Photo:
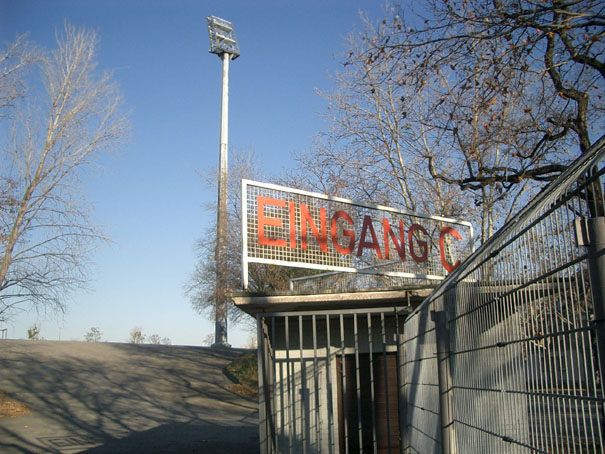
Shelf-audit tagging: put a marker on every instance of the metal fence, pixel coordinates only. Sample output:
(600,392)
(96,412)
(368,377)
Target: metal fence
(329,381)
(506,356)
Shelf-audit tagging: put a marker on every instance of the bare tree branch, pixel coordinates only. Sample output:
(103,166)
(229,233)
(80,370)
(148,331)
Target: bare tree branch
(495,98)
(44,224)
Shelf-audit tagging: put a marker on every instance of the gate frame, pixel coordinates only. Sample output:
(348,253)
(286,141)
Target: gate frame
(399,303)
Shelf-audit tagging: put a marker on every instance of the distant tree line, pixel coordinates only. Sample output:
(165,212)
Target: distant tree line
(137,337)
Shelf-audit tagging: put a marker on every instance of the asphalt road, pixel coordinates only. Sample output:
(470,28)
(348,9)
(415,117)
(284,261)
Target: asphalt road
(121,398)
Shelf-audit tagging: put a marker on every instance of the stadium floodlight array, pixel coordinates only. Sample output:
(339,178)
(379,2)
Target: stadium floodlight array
(222,37)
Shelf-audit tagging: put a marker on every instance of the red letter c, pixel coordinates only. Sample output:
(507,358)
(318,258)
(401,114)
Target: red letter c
(444,262)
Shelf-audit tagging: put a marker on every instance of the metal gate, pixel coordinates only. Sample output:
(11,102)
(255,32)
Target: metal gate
(329,381)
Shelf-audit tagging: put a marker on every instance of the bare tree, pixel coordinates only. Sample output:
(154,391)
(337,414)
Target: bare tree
(208,340)
(252,341)
(495,98)
(155,339)
(33,332)
(487,98)
(15,60)
(365,154)
(136,335)
(93,335)
(57,114)
(201,286)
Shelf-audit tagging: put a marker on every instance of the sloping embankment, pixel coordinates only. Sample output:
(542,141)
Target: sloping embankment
(105,397)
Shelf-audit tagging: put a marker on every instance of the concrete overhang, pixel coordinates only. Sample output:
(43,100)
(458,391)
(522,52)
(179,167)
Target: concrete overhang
(254,303)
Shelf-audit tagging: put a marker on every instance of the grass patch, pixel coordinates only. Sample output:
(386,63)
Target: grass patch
(11,408)
(244,372)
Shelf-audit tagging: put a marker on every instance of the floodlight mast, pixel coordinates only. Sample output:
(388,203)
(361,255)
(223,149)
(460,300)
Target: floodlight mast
(224,44)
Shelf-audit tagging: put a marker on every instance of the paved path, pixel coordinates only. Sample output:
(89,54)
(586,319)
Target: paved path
(120,398)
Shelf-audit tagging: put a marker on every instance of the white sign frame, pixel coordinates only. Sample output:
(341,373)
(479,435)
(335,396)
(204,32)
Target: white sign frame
(271,222)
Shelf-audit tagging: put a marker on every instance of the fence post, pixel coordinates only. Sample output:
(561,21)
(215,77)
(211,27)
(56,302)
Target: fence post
(265,379)
(446,410)
(591,233)
(401,386)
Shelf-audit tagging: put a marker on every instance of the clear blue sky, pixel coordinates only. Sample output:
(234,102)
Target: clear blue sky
(149,198)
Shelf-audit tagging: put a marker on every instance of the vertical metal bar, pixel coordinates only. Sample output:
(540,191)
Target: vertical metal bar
(519,368)
(536,358)
(527,320)
(584,351)
(596,266)
(589,352)
(316,387)
(570,406)
(262,427)
(518,414)
(283,400)
(292,409)
(372,389)
(274,367)
(345,391)
(386,380)
(572,305)
(499,355)
(331,438)
(268,385)
(401,388)
(303,386)
(357,380)
(590,230)
(245,235)
(445,379)
(558,342)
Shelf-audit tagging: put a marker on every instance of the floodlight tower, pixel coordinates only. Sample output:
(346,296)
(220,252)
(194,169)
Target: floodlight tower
(224,44)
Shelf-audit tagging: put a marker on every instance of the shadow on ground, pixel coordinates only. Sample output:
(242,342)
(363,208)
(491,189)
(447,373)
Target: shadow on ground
(112,398)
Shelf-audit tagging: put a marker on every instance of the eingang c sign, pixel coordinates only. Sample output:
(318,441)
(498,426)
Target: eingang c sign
(290,227)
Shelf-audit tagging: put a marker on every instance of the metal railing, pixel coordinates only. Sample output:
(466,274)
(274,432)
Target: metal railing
(386,276)
(506,355)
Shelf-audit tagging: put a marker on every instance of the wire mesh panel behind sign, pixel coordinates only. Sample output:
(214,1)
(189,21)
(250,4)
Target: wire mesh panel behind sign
(289,227)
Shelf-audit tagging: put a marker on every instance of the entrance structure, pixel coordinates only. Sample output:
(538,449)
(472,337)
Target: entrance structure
(330,368)
(506,355)
(330,351)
